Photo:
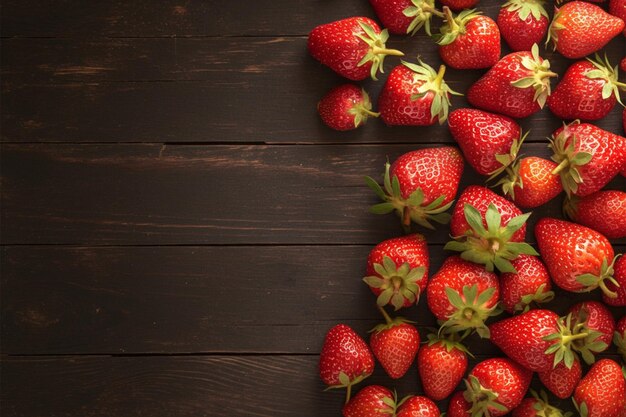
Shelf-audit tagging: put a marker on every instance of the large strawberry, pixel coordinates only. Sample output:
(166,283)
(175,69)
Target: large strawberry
(595,320)
(618,8)
(420,186)
(488,229)
(602,211)
(345,107)
(523,23)
(561,380)
(345,359)
(537,406)
(458,405)
(496,386)
(602,392)
(588,157)
(530,182)
(531,284)
(441,363)
(415,95)
(517,86)
(417,406)
(579,259)
(489,141)
(395,344)
(580,28)
(371,401)
(397,270)
(405,16)
(619,338)
(463,295)
(620,289)
(469,40)
(588,91)
(354,47)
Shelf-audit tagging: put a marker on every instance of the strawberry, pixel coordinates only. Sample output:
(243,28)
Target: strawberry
(562,380)
(602,392)
(579,259)
(523,23)
(458,405)
(488,229)
(405,16)
(619,338)
(530,284)
(345,107)
(580,28)
(496,386)
(588,157)
(441,363)
(537,406)
(415,406)
(415,95)
(458,5)
(618,9)
(464,295)
(594,319)
(530,183)
(371,401)
(603,211)
(345,359)
(517,86)
(354,48)
(420,186)
(589,90)
(489,142)
(469,40)
(620,276)
(395,344)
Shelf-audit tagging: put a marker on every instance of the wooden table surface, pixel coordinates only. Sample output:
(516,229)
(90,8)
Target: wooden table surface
(179,230)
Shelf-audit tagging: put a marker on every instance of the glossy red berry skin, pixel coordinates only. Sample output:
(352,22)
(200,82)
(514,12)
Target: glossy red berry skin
(344,351)
(390,13)
(532,275)
(478,47)
(440,369)
(620,276)
(603,389)
(339,108)
(618,8)
(395,348)
(602,211)
(418,406)
(596,317)
(539,185)
(520,34)
(458,5)
(458,406)
(370,402)
(561,380)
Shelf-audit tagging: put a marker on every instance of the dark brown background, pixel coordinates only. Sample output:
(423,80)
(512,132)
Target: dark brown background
(179,230)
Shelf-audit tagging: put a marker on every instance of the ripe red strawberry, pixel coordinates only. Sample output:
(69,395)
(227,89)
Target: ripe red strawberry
(397,270)
(537,406)
(469,40)
(530,182)
(354,48)
(464,295)
(489,141)
(531,284)
(458,5)
(496,386)
(618,8)
(580,29)
(602,211)
(488,229)
(588,157)
(415,95)
(441,364)
(345,359)
(395,344)
(602,392)
(345,107)
(562,380)
(588,91)
(420,186)
(619,274)
(371,401)
(415,406)
(619,338)
(579,259)
(458,405)
(517,86)
(523,23)
(405,16)
(594,319)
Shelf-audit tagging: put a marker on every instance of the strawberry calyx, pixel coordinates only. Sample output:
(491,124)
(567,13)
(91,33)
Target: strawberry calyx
(346,382)
(377,49)
(506,160)
(619,340)
(543,408)
(481,398)
(563,340)
(410,209)
(525,8)
(539,78)
(592,282)
(492,246)
(568,159)
(471,310)
(604,71)
(396,284)
(422,12)
(389,322)
(450,341)
(582,408)
(589,344)
(540,296)
(454,26)
(362,110)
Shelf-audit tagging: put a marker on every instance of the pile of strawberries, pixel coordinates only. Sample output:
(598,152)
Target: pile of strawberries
(493,269)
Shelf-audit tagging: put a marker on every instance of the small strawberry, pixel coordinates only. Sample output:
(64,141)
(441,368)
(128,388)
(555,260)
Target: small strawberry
(619,337)
(530,182)
(415,406)
(463,295)
(354,48)
(602,392)
(561,380)
(345,359)
(537,406)
(523,23)
(602,211)
(441,363)
(403,17)
(458,5)
(618,9)
(530,284)
(619,274)
(345,107)
(588,157)
(580,29)
(371,401)
(489,141)
(588,91)
(469,40)
(517,86)
(458,405)
(420,186)
(395,344)
(488,229)
(595,320)
(496,386)
(579,259)
(415,95)
(397,270)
